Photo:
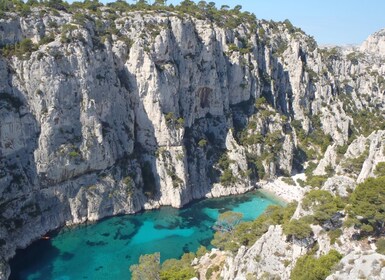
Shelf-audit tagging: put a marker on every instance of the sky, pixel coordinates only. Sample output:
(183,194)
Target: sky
(336,22)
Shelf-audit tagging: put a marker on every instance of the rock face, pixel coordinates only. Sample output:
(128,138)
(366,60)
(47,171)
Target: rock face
(375,44)
(355,265)
(271,255)
(107,115)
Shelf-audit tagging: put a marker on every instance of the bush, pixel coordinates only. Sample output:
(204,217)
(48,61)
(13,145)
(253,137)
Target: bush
(380,244)
(289,181)
(310,268)
(74,154)
(211,270)
(354,165)
(227,178)
(341,150)
(334,235)
(298,229)
(246,233)
(202,143)
(22,50)
(323,204)
(173,269)
(367,206)
(316,181)
(380,169)
(202,250)
(148,267)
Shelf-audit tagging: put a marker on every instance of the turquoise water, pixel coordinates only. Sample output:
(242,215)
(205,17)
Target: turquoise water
(105,250)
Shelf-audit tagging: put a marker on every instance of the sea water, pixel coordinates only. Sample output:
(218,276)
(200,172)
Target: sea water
(106,249)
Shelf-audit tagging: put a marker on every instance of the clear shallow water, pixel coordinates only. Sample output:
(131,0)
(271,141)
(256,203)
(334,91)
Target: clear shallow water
(105,250)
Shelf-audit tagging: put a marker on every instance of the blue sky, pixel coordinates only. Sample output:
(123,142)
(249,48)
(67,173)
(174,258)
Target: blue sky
(329,21)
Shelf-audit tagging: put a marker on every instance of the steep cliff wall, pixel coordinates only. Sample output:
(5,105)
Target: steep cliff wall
(114,112)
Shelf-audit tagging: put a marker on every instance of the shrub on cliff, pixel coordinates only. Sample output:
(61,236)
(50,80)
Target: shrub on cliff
(309,267)
(297,229)
(247,233)
(323,204)
(380,244)
(148,267)
(172,269)
(380,169)
(367,206)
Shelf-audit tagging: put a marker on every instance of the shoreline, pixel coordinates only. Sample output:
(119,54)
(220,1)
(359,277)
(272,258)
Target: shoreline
(282,191)
(273,196)
(262,187)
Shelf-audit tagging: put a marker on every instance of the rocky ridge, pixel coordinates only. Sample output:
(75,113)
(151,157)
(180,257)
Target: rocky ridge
(104,115)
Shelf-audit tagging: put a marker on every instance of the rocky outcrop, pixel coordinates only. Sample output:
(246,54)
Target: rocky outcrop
(115,112)
(271,256)
(354,163)
(356,265)
(97,125)
(375,44)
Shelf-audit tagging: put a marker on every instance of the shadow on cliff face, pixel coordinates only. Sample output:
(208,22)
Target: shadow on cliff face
(145,144)
(19,132)
(205,136)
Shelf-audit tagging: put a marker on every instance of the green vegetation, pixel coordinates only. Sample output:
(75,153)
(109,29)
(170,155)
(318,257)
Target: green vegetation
(309,267)
(129,184)
(380,169)
(74,154)
(355,57)
(248,139)
(334,235)
(224,16)
(323,204)
(341,150)
(202,250)
(174,269)
(313,143)
(289,181)
(22,50)
(202,143)
(255,165)
(149,268)
(227,177)
(246,233)
(211,270)
(380,244)
(367,206)
(316,181)
(260,102)
(297,229)
(366,121)
(174,122)
(331,53)
(354,165)
(15,6)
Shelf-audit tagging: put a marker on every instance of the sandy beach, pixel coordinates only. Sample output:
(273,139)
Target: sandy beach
(284,191)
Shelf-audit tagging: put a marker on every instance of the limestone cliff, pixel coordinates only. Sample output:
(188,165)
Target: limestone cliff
(111,112)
